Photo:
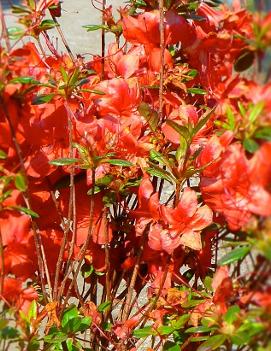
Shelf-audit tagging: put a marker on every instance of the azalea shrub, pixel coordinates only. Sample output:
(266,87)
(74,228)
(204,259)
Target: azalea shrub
(135,186)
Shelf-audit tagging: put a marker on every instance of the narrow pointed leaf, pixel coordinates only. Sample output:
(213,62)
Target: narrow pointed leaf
(235,255)
(64,161)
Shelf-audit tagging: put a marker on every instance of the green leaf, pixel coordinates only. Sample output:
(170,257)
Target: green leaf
(230,117)
(24,80)
(57,337)
(70,313)
(99,274)
(20,9)
(246,332)
(74,325)
(241,109)
(250,145)
(244,61)
(73,78)
(199,338)
(160,173)
(32,312)
(3,323)
(15,33)
(64,74)
(98,92)
(197,91)
(3,155)
(93,91)
(200,329)
(182,130)
(87,270)
(171,346)
(47,24)
(192,303)
(117,162)
(85,324)
(212,343)
(97,189)
(93,27)
(64,161)
(9,333)
(6,195)
(140,3)
(143,332)
(83,151)
(192,73)
(130,184)
(104,181)
(150,115)
(182,149)
(180,322)
(256,111)
(20,182)
(235,255)
(208,283)
(158,157)
(34,344)
(103,307)
(262,133)
(42,99)
(232,314)
(204,119)
(165,330)
(26,211)
(109,198)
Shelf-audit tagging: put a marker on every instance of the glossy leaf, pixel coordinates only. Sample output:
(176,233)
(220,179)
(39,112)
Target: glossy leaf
(150,115)
(235,255)
(250,145)
(42,99)
(64,161)
(232,314)
(15,33)
(160,173)
(24,80)
(69,314)
(171,346)
(204,119)
(103,307)
(200,329)
(117,162)
(213,343)
(263,133)
(165,330)
(182,130)
(143,332)
(20,182)
(26,211)
(197,91)
(3,155)
(256,111)
(93,27)
(47,24)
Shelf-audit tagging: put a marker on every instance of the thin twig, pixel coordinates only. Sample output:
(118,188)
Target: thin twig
(64,41)
(126,309)
(85,245)
(70,213)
